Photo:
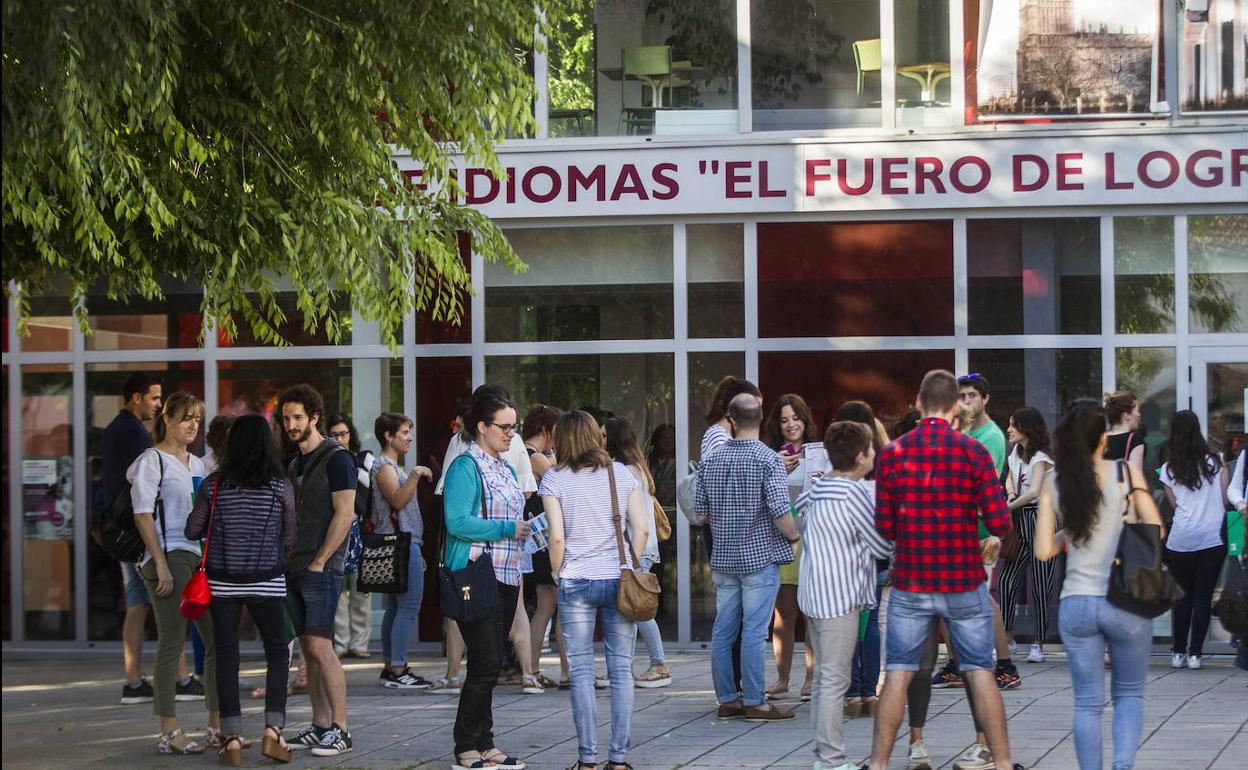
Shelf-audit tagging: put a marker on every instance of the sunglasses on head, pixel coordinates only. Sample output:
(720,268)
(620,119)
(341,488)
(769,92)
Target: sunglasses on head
(969,377)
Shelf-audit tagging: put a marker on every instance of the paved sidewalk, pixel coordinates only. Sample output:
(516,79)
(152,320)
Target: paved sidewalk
(65,715)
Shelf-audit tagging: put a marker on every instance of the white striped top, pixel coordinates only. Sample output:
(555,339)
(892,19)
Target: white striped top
(590,550)
(274,589)
(839,547)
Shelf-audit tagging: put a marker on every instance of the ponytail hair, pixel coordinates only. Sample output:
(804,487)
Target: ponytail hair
(1079,492)
(1118,405)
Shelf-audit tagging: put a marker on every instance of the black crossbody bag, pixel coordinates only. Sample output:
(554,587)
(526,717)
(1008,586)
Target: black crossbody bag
(470,592)
(1139,581)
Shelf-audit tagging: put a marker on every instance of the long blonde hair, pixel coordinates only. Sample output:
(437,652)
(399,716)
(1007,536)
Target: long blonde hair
(177,407)
(578,442)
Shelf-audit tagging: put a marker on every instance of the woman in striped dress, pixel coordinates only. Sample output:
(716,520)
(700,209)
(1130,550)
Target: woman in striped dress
(837,581)
(247,510)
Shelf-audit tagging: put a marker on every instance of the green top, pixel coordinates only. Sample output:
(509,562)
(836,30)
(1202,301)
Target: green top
(993,440)
(461,504)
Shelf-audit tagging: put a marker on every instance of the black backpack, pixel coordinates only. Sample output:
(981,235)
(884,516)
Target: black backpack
(114,530)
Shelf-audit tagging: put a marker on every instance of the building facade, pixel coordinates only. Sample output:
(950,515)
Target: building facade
(805,195)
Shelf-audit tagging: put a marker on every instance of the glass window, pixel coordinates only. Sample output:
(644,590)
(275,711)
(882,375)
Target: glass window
(638,386)
(429,331)
(1214,49)
(705,372)
(1044,378)
(293,330)
(106,604)
(1034,276)
(628,68)
(1144,275)
(173,321)
(50,326)
(815,63)
(1218,273)
(584,283)
(924,67)
(888,380)
(1149,373)
(715,264)
(47,502)
(839,279)
(6,618)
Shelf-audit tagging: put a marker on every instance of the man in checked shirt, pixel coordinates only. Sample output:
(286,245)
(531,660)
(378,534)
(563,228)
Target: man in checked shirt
(932,486)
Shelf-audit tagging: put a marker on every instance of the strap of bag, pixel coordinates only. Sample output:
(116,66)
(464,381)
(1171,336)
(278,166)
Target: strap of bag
(618,516)
(394,517)
(212,507)
(1123,469)
(316,463)
(1126,455)
(159,505)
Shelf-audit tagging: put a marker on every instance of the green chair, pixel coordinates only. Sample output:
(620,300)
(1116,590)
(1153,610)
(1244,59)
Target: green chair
(651,65)
(867,58)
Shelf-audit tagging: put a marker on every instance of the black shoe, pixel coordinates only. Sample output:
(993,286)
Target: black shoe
(947,677)
(136,693)
(334,741)
(405,680)
(192,690)
(308,737)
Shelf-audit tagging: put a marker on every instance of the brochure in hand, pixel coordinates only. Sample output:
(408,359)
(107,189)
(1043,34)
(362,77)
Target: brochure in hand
(536,541)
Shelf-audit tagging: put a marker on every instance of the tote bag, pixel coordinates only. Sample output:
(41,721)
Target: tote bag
(1139,581)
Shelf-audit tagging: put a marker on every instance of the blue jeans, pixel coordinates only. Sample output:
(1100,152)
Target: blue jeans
(398,623)
(580,602)
(865,672)
(743,605)
(967,615)
(1087,625)
(649,630)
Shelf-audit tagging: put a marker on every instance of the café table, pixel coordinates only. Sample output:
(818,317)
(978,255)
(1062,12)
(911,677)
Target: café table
(927,75)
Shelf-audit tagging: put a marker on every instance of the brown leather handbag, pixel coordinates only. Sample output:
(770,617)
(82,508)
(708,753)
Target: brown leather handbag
(638,595)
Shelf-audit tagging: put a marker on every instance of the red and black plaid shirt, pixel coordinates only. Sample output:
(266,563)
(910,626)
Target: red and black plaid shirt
(932,484)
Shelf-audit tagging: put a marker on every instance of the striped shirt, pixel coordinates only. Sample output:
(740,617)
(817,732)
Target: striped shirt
(590,550)
(714,438)
(272,589)
(840,546)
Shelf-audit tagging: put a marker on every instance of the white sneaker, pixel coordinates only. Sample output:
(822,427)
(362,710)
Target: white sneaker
(976,757)
(1036,655)
(1013,649)
(1178,660)
(919,759)
(845,766)
(1193,662)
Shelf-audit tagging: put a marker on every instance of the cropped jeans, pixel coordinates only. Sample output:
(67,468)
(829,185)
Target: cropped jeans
(743,607)
(398,624)
(1088,624)
(582,601)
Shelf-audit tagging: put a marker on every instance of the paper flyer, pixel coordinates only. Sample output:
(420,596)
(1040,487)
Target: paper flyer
(536,541)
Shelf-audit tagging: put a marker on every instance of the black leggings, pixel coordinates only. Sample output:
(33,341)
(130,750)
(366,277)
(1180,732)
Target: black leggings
(485,640)
(1197,573)
(270,618)
(919,694)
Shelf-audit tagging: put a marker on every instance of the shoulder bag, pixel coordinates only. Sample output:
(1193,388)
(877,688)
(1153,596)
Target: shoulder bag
(114,530)
(638,595)
(470,592)
(383,564)
(687,493)
(197,594)
(1012,543)
(1139,581)
(662,524)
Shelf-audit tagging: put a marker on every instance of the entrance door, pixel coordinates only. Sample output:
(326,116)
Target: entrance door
(1219,396)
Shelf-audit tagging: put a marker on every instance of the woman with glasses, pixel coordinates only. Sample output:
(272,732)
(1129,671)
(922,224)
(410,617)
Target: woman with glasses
(484,513)
(353,622)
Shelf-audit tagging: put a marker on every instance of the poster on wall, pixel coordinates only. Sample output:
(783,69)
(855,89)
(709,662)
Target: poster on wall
(1066,58)
(1213,53)
(47,498)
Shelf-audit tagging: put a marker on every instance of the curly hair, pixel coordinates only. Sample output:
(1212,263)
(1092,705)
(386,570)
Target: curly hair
(773,436)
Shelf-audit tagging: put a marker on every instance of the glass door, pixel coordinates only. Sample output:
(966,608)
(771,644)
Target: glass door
(1219,396)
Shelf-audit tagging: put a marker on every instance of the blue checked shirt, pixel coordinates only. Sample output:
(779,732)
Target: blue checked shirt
(742,488)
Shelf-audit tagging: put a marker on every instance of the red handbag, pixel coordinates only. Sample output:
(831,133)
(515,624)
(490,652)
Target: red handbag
(197,593)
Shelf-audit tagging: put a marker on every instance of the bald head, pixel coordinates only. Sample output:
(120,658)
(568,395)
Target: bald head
(746,412)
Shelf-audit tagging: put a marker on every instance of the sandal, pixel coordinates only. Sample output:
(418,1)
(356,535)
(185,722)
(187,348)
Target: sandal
(231,751)
(214,738)
(870,705)
(167,744)
(274,745)
(579,765)
(502,761)
(853,706)
(776,691)
(258,693)
(480,763)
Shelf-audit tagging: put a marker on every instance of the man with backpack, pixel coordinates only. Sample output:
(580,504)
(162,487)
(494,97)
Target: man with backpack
(125,438)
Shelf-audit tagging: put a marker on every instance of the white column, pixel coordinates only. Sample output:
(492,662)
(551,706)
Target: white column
(961,293)
(14,449)
(750,279)
(745,70)
(680,366)
(1109,319)
(370,383)
(1182,317)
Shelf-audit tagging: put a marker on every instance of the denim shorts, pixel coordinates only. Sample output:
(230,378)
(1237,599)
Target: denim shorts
(312,599)
(967,615)
(136,592)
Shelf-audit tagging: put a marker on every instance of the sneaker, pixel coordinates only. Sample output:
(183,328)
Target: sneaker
(1178,660)
(530,686)
(136,693)
(976,757)
(654,677)
(1036,655)
(1013,649)
(947,677)
(1193,662)
(445,686)
(192,690)
(308,737)
(404,680)
(334,741)
(1008,678)
(918,758)
(767,713)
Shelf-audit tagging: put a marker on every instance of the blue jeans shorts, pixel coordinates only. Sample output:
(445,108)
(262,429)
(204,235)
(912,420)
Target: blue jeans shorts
(136,592)
(312,600)
(967,615)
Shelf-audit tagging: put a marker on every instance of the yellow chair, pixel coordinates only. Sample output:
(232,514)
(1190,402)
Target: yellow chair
(867,58)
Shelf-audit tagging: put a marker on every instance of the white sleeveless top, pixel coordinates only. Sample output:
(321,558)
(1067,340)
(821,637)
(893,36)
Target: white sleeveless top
(1088,564)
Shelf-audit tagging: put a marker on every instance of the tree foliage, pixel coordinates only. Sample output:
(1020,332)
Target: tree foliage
(248,147)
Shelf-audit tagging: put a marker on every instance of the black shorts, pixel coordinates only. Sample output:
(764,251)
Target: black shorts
(312,600)
(541,574)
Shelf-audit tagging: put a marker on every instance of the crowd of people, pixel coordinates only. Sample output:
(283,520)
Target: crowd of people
(881,544)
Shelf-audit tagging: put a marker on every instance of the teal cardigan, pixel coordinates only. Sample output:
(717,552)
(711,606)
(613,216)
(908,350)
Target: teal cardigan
(461,502)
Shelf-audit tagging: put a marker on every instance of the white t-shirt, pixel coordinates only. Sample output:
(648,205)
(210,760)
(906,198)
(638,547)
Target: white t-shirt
(176,495)
(1198,513)
(590,549)
(516,456)
(1015,461)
